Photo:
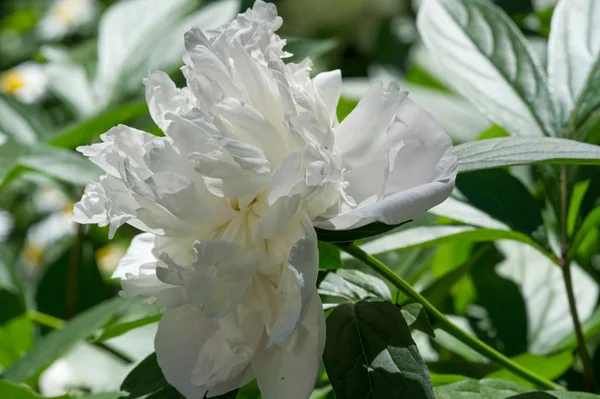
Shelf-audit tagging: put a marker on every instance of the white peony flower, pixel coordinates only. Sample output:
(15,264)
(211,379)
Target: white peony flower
(253,159)
(27,82)
(66,16)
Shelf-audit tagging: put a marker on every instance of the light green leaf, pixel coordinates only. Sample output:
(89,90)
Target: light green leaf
(354,285)
(369,352)
(420,237)
(590,327)
(549,367)
(122,328)
(15,125)
(495,153)
(10,390)
(591,222)
(483,389)
(83,132)
(58,163)
(487,59)
(329,256)
(555,395)
(58,342)
(574,60)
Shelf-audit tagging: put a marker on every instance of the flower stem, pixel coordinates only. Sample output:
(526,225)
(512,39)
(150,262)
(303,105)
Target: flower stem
(565,266)
(443,322)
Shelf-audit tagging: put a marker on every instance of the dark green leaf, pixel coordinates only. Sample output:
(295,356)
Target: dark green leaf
(84,132)
(58,342)
(10,390)
(370,354)
(329,256)
(369,230)
(483,389)
(416,318)
(555,395)
(503,197)
(120,329)
(495,153)
(354,285)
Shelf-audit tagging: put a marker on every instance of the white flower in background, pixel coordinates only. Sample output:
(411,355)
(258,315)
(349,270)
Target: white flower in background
(27,82)
(253,159)
(66,16)
(6,225)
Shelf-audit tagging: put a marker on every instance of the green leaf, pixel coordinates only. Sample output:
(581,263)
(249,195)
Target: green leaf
(591,222)
(14,124)
(120,329)
(503,197)
(549,367)
(10,390)
(420,237)
(354,285)
(416,318)
(313,48)
(590,327)
(369,230)
(555,395)
(58,163)
(495,153)
(84,132)
(482,389)
(16,338)
(369,353)
(344,107)
(488,60)
(574,62)
(58,342)
(329,256)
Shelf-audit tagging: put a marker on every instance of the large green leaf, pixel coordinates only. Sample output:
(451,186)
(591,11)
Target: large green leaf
(574,61)
(58,342)
(549,367)
(329,256)
(494,153)
(503,197)
(483,389)
(58,163)
(10,390)
(83,132)
(487,59)
(416,318)
(370,354)
(420,237)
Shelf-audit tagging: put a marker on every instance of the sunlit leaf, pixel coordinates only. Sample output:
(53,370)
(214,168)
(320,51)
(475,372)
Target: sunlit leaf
(472,389)
(354,285)
(549,367)
(487,59)
(494,153)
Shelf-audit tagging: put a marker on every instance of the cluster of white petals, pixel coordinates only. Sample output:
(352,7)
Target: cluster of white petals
(65,16)
(253,159)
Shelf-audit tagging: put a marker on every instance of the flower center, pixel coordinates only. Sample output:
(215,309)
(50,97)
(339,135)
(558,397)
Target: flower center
(12,81)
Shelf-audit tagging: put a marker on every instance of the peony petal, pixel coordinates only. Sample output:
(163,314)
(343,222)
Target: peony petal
(163,96)
(290,370)
(329,86)
(138,254)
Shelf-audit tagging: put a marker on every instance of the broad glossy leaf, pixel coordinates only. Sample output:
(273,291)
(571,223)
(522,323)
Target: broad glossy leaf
(82,133)
(58,342)
(420,237)
(487,59)
(574,60)
(503,197)
(495,153)
(369,230)
(354,285)
(370,353)
(549,367)
(482,389)
(416,318)
(122,328)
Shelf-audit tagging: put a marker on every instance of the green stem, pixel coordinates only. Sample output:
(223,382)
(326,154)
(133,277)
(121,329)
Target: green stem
(443,322)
